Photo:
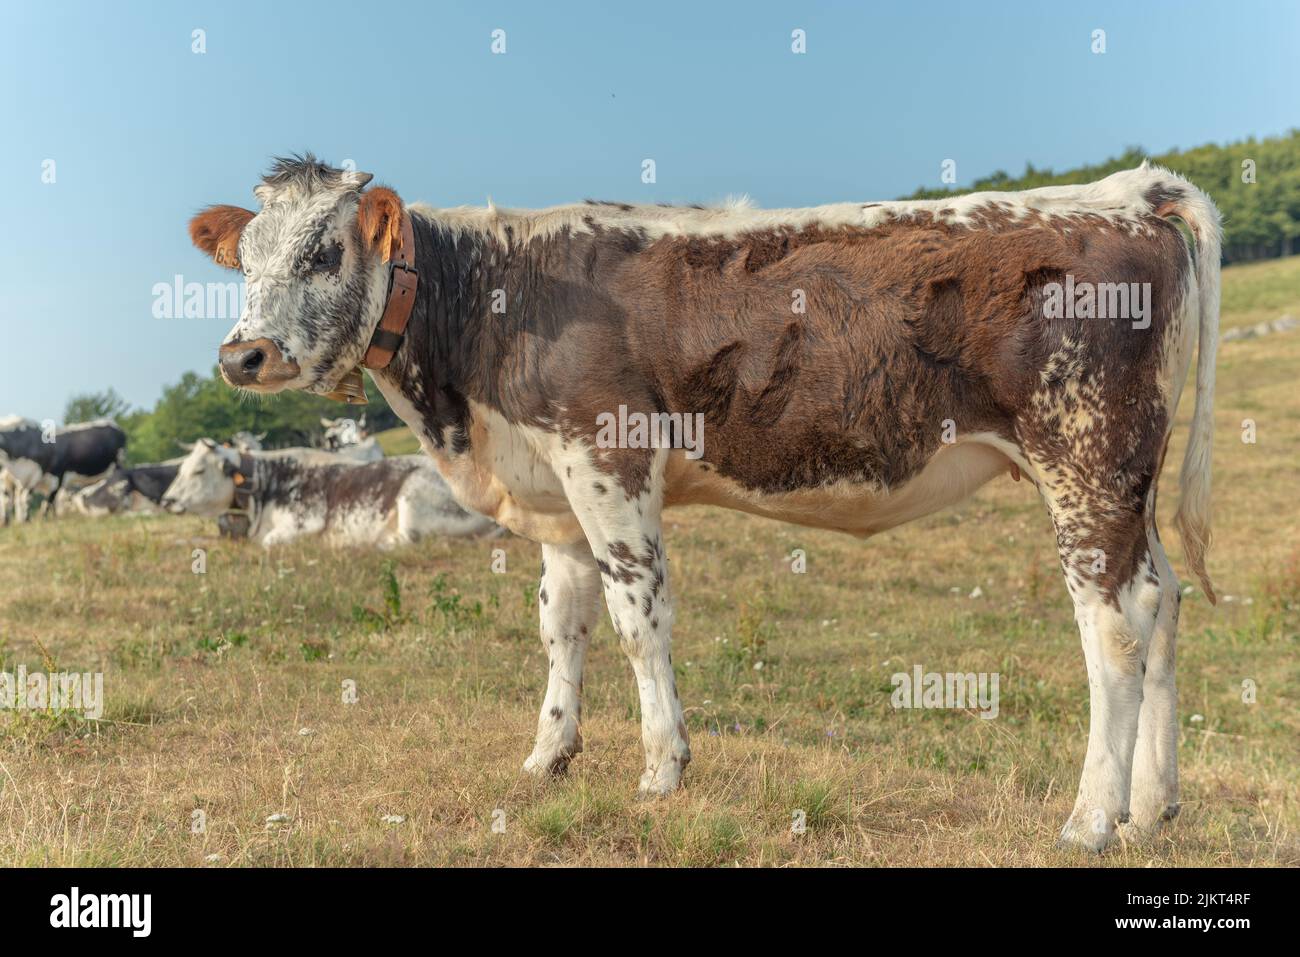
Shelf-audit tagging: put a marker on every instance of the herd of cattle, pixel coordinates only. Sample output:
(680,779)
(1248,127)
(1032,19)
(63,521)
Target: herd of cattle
(346,491)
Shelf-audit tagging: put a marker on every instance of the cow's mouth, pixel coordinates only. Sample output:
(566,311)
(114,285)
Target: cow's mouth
(256,364)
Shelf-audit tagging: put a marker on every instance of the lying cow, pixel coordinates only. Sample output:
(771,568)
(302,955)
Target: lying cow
(396,501)
(139,488)
(851,367)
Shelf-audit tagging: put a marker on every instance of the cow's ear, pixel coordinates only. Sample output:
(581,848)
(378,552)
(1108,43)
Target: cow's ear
(379,217)
(216,231)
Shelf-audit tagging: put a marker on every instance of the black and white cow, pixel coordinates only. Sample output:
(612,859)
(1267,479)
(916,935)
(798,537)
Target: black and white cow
(19,476)
(392,502)
(575,370)
(86,450)
(138,488)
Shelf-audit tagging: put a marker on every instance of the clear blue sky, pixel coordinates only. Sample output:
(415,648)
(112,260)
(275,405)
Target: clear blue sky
(144,132)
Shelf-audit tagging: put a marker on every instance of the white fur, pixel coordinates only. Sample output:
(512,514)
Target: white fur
(1119,197)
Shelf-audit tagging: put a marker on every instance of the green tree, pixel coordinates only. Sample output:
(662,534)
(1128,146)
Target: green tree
(95,405)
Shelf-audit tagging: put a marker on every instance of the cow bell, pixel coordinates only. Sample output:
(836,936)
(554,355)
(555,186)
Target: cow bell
(351,389)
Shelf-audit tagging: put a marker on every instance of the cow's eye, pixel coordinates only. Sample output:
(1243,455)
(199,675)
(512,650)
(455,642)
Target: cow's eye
(327,257)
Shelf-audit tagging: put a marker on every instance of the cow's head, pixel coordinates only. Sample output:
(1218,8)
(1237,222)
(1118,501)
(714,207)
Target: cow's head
(342,433)
(246,441)
(314,259)
(205,482)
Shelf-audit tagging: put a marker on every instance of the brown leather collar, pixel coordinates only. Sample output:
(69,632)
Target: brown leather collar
(402,282)
(387,339)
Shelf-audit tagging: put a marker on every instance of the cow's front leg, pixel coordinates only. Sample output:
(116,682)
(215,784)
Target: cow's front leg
(619,512)
(569,600)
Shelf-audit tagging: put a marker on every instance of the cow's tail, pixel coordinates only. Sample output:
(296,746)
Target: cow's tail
(1198,211)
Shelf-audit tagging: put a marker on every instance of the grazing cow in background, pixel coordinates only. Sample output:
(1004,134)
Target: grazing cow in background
(18,479)
(19,475)
(85,450)
(137,488)
(396,501)
(573,371)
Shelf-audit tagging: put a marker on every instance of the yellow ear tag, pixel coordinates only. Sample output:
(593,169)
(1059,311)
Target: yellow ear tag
(239,478)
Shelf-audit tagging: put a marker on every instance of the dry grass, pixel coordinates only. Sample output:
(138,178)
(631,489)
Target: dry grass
(211,681)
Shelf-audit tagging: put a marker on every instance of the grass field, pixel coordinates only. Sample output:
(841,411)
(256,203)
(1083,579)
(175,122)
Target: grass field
(224,691)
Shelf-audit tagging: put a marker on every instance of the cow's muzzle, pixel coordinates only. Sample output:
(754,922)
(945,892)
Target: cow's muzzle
(257,362)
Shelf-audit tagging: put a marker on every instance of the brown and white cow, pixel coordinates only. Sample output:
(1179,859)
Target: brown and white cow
(856,366)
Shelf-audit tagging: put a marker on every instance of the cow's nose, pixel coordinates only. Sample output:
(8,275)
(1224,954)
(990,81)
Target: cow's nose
(255,362)
(240,363)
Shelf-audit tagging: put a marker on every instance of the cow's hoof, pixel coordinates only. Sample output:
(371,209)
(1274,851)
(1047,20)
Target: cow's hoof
(1150,817)
(551,765)
(544,767)
(1082,833)
(663,780)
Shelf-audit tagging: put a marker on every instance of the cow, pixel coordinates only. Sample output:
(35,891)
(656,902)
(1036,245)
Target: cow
(574,371)
(348,437)
(396,501)
(85,450)
(138,488)
(19,475)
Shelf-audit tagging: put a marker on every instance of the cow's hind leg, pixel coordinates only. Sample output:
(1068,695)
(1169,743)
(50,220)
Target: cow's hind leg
(569,599)
(1112,578)
(1154,796)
